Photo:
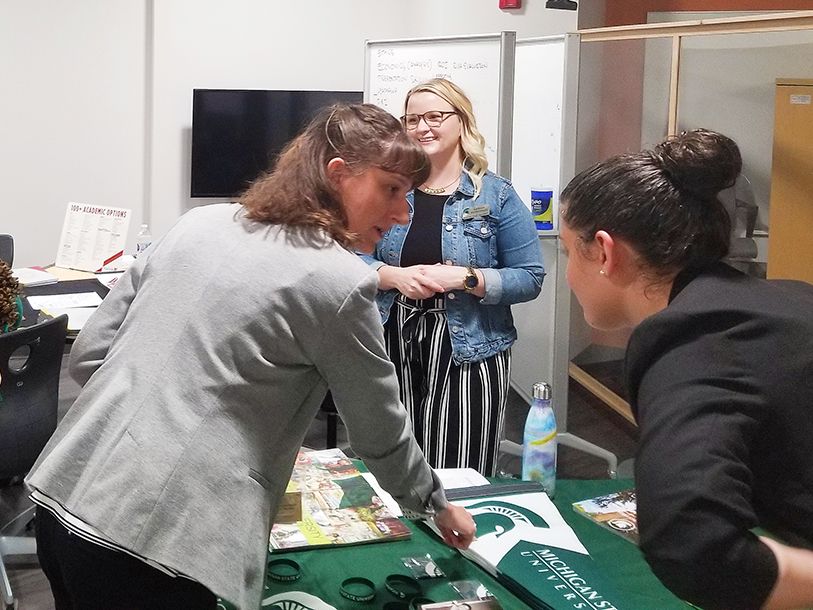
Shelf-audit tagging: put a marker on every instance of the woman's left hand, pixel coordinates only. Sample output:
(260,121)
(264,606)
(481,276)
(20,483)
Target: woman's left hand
(448,276)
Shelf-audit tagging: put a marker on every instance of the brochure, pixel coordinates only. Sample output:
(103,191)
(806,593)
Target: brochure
(92,236)
(338,506)
(615,511)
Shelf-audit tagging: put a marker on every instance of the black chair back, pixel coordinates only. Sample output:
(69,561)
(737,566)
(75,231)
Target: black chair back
(7,249)
(30,362)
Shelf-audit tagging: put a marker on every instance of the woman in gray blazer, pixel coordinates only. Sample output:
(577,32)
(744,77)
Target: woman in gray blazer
(204,367)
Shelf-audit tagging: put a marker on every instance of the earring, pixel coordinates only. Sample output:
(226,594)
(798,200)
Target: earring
(601,272)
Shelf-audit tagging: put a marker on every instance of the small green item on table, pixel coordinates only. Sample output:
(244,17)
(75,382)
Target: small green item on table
(357,589)
(401,586)
(283,570)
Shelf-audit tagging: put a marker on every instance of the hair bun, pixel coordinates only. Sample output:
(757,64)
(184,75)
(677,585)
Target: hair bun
(700,162)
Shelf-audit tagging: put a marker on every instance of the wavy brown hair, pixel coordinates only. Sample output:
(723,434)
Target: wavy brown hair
(297,191)
(9,291)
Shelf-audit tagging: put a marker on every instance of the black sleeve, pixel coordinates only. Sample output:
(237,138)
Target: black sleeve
(700,414)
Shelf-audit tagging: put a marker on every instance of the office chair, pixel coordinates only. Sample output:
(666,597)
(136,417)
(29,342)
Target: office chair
(30,362)
(740,203)
(7,249)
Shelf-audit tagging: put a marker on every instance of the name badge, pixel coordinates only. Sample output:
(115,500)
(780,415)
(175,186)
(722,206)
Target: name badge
(476,211)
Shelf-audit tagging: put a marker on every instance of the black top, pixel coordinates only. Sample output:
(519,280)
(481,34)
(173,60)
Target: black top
(721,384)
(422,243)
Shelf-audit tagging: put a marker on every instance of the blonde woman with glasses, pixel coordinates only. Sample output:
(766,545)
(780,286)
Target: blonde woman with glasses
(447,280)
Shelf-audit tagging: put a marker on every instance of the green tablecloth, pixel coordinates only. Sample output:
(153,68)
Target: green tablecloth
(620,561)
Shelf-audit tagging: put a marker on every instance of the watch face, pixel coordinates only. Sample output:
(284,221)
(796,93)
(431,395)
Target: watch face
(471,281)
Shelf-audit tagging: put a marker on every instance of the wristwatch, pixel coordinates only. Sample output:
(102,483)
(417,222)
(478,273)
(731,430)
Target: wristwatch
(471,281)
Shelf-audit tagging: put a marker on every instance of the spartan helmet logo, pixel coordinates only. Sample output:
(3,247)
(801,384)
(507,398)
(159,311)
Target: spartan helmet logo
(292,600)
(497,518)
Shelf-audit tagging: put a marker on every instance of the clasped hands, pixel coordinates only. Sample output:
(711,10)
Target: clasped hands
(424,281)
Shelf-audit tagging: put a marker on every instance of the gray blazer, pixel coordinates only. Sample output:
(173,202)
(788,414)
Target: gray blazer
(202,371)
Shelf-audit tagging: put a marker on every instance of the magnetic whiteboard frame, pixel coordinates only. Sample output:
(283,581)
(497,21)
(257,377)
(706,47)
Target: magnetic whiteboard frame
(537,131)
(482,65)
(542,351)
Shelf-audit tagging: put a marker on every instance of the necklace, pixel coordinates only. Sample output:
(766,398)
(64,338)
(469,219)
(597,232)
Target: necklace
(439,190)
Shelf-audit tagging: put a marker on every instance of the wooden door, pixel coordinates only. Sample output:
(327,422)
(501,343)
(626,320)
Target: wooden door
(790,249)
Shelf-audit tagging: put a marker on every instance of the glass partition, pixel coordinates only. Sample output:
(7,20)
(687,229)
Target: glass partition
(631,97)
(623,97)
(728,84)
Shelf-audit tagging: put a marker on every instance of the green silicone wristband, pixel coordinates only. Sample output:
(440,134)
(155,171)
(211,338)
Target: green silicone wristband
(357,589)
(283,570)
(417,602)
(402,586)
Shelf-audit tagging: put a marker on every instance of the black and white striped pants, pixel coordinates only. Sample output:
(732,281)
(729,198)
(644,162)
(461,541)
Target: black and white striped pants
(457,411)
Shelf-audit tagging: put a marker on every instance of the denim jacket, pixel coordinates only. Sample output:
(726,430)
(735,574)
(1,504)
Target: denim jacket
(501,242)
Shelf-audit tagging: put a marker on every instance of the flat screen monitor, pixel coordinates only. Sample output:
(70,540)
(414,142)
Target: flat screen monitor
(238,133)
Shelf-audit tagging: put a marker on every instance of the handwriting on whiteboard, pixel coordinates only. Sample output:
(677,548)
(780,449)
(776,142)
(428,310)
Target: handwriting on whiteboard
(394,78)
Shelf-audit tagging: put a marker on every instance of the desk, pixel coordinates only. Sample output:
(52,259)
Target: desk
(625,569)
(32,316)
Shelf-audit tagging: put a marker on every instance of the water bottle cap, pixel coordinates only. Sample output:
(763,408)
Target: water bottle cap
(542,390)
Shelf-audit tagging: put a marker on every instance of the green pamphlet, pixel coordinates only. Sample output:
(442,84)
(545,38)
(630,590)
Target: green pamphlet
(525,543)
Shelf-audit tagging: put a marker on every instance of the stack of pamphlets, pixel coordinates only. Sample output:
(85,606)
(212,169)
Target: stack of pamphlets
(338,506)
(615,511)
(33,276)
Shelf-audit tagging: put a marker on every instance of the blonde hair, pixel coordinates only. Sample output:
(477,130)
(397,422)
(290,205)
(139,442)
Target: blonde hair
(472,142)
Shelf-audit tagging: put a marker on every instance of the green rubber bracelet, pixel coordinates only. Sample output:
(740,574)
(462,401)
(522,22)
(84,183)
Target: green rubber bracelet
(357,589)
(417,602)
(283,570)
(402,586)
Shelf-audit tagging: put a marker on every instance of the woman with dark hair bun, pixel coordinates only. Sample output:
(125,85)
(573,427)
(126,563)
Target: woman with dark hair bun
(718,372)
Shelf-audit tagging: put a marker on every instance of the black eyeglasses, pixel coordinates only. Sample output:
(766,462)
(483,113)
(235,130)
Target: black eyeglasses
(433,118)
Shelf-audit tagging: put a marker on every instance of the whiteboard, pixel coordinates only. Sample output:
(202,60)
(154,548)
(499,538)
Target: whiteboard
(480,65)
(532,355)
(543,154)
(537,139)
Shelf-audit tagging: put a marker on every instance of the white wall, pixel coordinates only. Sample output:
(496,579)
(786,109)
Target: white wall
(72,110)
(99,88)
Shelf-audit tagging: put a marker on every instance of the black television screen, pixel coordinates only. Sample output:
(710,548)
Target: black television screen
(237,133)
